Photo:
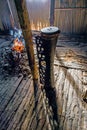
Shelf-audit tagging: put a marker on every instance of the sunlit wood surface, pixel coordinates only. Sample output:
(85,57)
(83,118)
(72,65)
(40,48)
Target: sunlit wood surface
(70,70)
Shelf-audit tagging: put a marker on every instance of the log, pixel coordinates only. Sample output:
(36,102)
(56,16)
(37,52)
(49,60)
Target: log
(26,29)
(52,5)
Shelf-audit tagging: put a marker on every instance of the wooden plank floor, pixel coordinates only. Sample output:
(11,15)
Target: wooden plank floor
(71,83)
(17,96)
(70,87)
(17,104)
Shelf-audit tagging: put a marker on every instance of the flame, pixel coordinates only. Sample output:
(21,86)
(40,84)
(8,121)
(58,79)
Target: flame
(18,46)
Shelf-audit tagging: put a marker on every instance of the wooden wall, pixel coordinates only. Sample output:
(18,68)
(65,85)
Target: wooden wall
(14,13)
(4,15)
(39,12)
(71,16)
(8,15)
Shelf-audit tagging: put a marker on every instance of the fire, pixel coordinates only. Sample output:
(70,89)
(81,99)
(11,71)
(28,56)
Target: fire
(18,46)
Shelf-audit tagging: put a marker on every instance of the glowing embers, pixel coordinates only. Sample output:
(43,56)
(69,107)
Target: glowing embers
(18,46)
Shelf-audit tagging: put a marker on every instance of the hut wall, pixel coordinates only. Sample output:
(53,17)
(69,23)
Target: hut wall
(5,22)
(71,16)
(8,15)
(14,13)
(39,11)
(1,26)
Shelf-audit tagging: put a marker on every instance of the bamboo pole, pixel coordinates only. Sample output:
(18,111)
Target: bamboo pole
(26,29)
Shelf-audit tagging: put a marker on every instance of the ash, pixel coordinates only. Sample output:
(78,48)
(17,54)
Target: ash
(12,63)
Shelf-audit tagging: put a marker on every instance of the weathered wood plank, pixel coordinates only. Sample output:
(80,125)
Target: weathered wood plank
(59,88)
(56,72)
(7,86)
(84,96)
(71,57)
(12,106)
(70,83)
(6,98)
(70,16)
(22,108)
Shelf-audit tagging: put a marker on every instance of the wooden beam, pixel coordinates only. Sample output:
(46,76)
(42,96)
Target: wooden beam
(11,14)
(52,8)
(26,29)
(70,8)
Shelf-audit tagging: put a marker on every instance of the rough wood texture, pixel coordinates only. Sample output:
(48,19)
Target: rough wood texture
(70,16)
(14,13)
(71,83)
(71,52)
(39,12)
(17,102)
(4,15)
(8,15)
(26,28)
